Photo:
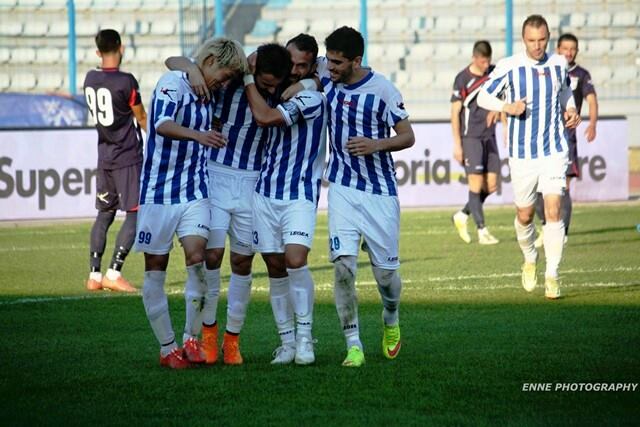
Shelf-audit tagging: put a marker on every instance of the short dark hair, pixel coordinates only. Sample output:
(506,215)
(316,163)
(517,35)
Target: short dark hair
(273,59)
(305,43)
(569,37)
(482,48)
(108,41)
(346,40)
(535,21)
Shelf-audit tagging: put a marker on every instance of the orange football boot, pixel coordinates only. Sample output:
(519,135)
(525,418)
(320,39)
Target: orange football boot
(231,349)
(93,285)
(174,360)
(118,285)
(210,343)
(193,351)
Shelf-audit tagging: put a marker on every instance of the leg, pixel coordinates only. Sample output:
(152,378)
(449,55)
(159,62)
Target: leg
(303,296)
(155,301)
(113,279)
(97,244)
(345,268)
(237,303)
(476,182)
(390,287)
(566,207)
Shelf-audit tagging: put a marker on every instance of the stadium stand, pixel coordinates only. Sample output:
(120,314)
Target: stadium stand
(419,45)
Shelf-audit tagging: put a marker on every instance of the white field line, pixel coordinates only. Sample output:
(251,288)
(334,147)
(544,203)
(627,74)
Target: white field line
(407,285)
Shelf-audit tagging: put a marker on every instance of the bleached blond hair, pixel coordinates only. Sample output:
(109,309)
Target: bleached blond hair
(227,52)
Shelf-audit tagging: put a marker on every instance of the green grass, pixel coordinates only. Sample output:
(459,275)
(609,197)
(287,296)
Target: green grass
(471,337)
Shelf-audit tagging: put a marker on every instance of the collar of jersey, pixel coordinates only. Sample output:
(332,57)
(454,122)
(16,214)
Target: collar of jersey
(534,62)
(109,69)
(361,82)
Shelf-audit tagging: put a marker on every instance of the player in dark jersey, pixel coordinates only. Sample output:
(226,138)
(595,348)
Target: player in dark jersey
(474,142)
(114,102)
(583,89)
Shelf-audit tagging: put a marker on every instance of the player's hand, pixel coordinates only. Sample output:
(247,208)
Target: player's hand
(251,62)
(492,118)
(590,133)
(571,118)
(199,86)
(458,154)
(213,139)
(361,146)
(292,91)
(516,108)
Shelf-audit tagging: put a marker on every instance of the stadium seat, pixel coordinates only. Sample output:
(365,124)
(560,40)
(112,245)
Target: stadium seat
(446,51)
(599,19)
(136,27)
(376,52)
(421,51)
(444,79)
(400,78)
(29,4)
(49,82)
(163,28)
(86,28)
(447,24)
(5,82)
(23,55)
(499,49)
(148,54)
(472,23)
(577,20)
(54,5)
(598,48)
(21,82)
(110,25)
(395,51)
(600,75)
(624,75)
(5,55)
(11,28)
(292,28)
(130,4)
(35,29)
(624,18)
(624,46)
(48,55)
(59,28)
(83,5)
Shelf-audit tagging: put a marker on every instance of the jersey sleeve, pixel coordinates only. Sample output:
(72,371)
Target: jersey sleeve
(394,111)
(134,95)
(498,78)
(306,104)
(587,85)
(323,70)
(166,95)
(458,89)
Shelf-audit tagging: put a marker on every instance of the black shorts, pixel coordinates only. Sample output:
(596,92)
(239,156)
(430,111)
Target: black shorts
(118,188)
(572,167)
(480,155)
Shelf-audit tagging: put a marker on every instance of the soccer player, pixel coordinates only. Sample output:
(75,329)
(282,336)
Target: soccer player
(114,102)
(583,89)
(285,200)
(363,197)
(537,91)
(233,172)
(474,142)
(174,194)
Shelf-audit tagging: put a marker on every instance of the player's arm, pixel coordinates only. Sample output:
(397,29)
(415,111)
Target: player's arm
(263,114)
(568,104)
(172,130)
(141,115)
(404,138)
(196,79)
(310,83)
(456,108)
(590,132)
(489,95)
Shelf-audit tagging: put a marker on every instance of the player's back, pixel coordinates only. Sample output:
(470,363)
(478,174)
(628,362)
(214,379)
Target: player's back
(473,119)
(294,154)
(368,108)
(110,94)
(174,171)
(233,117)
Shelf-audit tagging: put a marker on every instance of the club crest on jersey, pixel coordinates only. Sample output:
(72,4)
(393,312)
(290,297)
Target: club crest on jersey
(400,105)
(165,91)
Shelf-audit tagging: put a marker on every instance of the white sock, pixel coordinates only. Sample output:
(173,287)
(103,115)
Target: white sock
(282,309)
(526,239)
(113,274)
(157,308)
(96,275)
(237,302)
(346,298)
(303,293)
(553,244)
(211,296)
(390,287)
(195,288)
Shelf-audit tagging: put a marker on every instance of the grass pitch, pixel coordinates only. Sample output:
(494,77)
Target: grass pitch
(471,337)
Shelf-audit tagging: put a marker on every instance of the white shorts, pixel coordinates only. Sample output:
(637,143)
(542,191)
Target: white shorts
(277,223)
(231,197)
(354,214)
(546,175)
(156,225)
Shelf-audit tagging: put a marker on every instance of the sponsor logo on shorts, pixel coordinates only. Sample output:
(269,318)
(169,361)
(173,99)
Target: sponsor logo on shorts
(299,233)
(392,259)
(204,227)
(103,197)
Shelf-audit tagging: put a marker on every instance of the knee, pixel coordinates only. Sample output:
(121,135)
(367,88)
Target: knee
(241,264)
(345,270)
(524,217)
(297,260)
(194,257)
(275,265)
(214,257)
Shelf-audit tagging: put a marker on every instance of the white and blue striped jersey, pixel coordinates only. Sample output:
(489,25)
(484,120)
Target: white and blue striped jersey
(294,154)
(368,108)
(539,131)
(246,140)
(174,171)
